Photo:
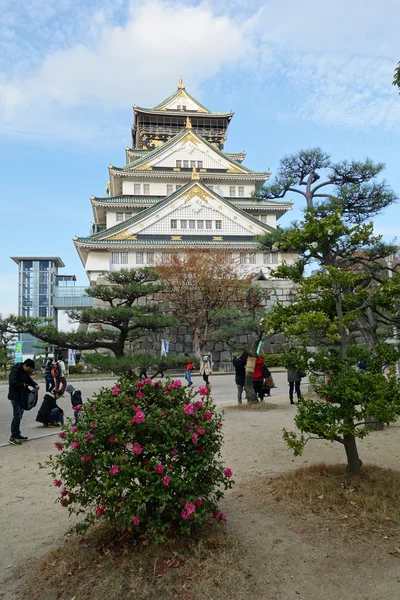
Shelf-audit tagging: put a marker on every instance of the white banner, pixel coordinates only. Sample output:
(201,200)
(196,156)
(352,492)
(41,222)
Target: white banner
(71,358)
(164,347)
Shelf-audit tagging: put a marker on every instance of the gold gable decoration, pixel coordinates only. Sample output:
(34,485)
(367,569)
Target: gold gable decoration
(121,235)
(180,84)
(196,190)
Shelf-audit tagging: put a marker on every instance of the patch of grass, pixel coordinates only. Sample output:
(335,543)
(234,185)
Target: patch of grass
(370,501)
(107,566)
(258,406)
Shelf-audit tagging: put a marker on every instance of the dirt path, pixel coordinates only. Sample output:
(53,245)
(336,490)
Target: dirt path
(287,557)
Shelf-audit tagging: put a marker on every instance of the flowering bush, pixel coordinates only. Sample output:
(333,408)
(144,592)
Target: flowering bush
(145,456)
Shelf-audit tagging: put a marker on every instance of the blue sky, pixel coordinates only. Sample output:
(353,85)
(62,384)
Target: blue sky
(297,74)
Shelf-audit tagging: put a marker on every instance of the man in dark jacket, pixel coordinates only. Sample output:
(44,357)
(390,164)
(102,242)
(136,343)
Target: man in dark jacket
(19,380)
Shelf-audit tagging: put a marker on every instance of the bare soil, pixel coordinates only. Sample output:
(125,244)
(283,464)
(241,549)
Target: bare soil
(271,549)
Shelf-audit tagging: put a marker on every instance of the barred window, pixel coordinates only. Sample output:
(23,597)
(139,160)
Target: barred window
(115,258)
(218,224)
(174,224)
(150,258)
(200,224)
(232,190)
(184,224)
(170,188)
(139,258)
(271,258)
(146,188)
(128,215)
(136,188)
(208,224)
(178,164)
(185,164)
(252,258)
(124,258)
(241,191)
(192,164)
(192,224)
(199,164)
(243,258)
(120,217)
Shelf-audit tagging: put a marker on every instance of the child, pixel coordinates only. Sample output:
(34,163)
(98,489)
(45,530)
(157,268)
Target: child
(76,399)
(50,414)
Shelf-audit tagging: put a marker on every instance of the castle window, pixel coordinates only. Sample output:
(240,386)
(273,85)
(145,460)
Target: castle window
(192,164)
(165,257)
(115,258)
(241,191)
(252,258)
(208,224)
(183,107)
(146,188)
(243,258)
(124,258)
(120,217)
(185,164)
(170,188)
(139,258)
(192,224)
(150,258)
(178,164)
(174,224)
(199,164)
(128,215)
(271,258)
(136,188)
(184,224)
(218,224)
(200,224)
(232,190)
(179,107)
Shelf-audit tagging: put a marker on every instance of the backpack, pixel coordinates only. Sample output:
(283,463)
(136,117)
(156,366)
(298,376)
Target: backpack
(30,399)
(55,371)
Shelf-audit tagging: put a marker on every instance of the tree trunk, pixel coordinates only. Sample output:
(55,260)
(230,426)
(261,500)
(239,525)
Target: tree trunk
(251,395)
(353,460)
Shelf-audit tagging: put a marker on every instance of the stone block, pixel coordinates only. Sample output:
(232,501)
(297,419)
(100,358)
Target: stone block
(244,339)
(218,347)
(182,330)
(178,347)
(225,356)
(188,339)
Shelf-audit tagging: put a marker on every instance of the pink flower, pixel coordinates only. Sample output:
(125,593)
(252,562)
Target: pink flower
(85,459)
(59,446)
(100,510)
(176,384)
(174,453)
(62,436)
(94,425)
(73,429)
(64,502)
(201,431)
(228,472)
(208,416)
(89,436)
(139,385)
(115,391)
(166,480)
(182,500)
(112,438)
(190,508)
(195,437)
(78,407)
(148,380)
(136,521)
(57,483)
(140,395)
(159,468)
(197,502)
(222,516)
(114,470)
(137,449)
(75,445)
(64,493)
(140,416)
(189,409)
(198,404)
(184,515)
(204,390)
(133,421)
(219,425)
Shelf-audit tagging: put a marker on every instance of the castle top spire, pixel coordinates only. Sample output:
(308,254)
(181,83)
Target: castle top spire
(180,84)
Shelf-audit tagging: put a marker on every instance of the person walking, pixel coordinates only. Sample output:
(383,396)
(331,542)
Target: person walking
(205,368)
(294,379)
(239,362)
(48,377)
(19,382)
(189,366)
(61,372)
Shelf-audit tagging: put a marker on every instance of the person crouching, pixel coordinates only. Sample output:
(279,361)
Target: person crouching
(50,414)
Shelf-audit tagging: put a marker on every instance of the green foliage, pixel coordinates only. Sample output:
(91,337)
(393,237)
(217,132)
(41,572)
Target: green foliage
(7,339)
(274,360)
(76,369)
(145,456)
(396,79)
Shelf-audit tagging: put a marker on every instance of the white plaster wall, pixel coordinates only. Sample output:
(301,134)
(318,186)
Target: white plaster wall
(159,187)
(97,261)
(111,216)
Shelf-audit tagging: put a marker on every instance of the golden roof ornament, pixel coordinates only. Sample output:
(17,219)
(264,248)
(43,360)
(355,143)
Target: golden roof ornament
(180,84)
(188,123)
(195,175)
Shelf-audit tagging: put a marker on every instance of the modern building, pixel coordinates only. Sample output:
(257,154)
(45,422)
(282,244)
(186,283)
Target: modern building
(42,292)
(179,189)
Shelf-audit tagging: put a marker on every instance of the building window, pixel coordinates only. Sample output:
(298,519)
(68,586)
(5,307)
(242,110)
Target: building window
(43,288)
(146,188)
(26,312)
(192,224)
(120,217)
(174,224)
(178,164)
(192,164)
(185,164)
(43,312)
(44,265)
(139,258)
(263,218)
(271,258)
(200,224)
(208,224)
(243,258)
(150,258)
(179,107)
(178,186)
(218,224)
(241,191)
(27,265)
(128,215)
(184,224)
(115,258)
(124,258)
(252,258)
(136,188)
(199,164)
(183,106)
(232,190)
(170,189)
(165,256)
(43,277)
